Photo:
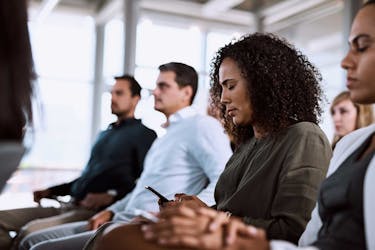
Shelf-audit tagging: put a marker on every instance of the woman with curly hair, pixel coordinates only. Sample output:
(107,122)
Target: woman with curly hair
(348,116)
(268,94)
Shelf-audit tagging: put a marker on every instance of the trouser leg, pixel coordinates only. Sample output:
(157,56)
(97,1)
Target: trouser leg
(14,219)
(53,234)
(95,236)
(73,215)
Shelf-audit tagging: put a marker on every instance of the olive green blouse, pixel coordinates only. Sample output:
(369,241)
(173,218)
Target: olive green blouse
(273,182)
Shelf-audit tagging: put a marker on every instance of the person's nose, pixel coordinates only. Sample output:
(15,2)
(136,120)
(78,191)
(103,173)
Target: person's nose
(348,61)
(224,98)
(155,92)
(336,117)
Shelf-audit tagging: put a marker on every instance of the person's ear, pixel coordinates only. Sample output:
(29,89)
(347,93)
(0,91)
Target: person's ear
(188,93)
(135,100)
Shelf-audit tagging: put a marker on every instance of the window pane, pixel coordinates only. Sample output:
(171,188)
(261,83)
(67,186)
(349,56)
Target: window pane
(63,46)
(145,109)
(113,48)
(62,135)
(158,44)
(323,45)
(216,40)
(63,53)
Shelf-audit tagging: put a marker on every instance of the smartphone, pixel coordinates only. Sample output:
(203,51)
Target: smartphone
(147,215)
(162,198)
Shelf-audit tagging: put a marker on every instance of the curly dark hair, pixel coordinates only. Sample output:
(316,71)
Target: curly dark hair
(283,86)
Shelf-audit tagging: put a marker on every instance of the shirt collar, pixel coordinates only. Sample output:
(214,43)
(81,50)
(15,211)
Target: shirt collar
(182,114)
(123,122)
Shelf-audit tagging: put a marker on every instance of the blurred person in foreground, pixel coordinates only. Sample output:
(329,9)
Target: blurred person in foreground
(16,85)
(348,116)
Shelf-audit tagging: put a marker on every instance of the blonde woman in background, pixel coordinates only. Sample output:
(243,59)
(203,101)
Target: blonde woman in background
(348,116)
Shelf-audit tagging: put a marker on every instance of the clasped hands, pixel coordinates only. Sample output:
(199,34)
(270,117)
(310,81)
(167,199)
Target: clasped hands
(188,222)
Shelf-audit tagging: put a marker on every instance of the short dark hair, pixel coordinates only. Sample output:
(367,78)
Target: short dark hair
(185,75)
(135,88)
(282,85)
(16,71)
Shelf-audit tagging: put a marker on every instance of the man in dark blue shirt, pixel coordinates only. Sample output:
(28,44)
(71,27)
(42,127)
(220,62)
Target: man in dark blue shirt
(116,161)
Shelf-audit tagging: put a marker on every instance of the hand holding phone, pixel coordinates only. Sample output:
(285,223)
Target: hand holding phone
(161,197)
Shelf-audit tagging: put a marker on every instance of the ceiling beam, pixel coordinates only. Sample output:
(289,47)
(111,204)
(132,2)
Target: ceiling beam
(45,9)
(214,7)
(108,11)
(196,10)
(286,9)
(208,11)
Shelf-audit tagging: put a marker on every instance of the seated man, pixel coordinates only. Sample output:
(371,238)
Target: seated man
(189,158)
(115,163)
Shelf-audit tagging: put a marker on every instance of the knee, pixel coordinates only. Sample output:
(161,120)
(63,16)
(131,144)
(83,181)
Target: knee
(121,237)
(45,245)
(27,242)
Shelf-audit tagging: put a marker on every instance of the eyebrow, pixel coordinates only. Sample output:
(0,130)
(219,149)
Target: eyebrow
(225,82)
(117,91)
(162,84)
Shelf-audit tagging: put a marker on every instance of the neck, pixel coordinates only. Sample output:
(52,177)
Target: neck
(167,115)
(124,117)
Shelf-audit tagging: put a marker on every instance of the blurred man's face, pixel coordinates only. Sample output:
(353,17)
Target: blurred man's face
(123,103)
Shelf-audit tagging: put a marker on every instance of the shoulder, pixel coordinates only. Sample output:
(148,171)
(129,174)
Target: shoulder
(355,137)
(139,130)
(146,129)
(348,144)
(205,122)
(305,130)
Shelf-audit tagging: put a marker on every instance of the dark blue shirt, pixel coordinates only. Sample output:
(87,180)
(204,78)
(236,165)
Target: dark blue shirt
(116,161)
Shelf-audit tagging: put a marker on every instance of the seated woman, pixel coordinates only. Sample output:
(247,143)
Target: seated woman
(346,203)
(269,95)
(348,116)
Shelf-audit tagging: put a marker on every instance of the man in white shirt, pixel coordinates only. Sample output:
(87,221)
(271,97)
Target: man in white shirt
(188,159)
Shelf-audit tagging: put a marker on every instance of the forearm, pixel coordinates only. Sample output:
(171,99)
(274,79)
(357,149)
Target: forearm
(63,189)
(285,228)
(120,205)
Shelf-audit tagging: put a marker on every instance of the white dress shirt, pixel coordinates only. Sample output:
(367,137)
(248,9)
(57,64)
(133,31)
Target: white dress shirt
(189,159)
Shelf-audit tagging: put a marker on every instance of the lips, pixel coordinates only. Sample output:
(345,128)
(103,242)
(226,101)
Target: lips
(231,111)
(350,81)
